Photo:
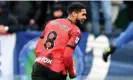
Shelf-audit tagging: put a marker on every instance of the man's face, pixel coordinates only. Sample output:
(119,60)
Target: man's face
(81,16)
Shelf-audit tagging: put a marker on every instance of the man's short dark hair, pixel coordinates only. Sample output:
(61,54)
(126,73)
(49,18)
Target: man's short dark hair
(75,7)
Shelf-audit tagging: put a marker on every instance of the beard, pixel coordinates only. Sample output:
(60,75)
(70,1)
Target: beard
(79,22)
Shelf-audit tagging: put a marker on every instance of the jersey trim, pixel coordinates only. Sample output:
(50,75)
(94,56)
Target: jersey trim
(41,37)
(72,47)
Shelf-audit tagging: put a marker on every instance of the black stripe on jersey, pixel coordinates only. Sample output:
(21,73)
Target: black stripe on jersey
(41,37)
(72,47)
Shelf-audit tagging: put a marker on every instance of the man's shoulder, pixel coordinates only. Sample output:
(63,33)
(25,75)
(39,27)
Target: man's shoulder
(62,20)
(76,28)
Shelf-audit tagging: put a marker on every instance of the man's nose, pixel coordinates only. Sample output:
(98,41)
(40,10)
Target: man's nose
(85,17)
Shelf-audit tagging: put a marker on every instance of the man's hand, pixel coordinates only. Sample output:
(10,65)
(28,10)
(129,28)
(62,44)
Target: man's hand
(73,75)
(109,50)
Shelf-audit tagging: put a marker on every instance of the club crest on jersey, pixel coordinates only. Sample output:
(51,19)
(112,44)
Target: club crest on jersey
(76,40)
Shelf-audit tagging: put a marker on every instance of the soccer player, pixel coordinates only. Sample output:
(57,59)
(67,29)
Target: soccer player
(56,45)
(124,38)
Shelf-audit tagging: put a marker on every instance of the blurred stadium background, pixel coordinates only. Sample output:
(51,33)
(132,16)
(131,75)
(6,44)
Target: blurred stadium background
(105,21)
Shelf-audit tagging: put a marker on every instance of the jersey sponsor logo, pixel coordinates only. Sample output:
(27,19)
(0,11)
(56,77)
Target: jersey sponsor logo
(76,40)
(43,59)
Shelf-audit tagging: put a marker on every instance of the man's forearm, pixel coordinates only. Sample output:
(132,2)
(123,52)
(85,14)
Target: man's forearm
(68,60)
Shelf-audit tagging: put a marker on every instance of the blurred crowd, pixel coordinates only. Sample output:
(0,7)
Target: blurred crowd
(102,16)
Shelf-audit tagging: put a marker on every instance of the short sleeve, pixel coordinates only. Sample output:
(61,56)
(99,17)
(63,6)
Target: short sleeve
(75,36)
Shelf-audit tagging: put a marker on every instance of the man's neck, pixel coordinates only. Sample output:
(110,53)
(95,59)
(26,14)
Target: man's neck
(71,19)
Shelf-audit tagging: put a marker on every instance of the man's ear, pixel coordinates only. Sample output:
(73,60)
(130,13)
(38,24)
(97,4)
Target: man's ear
(74,14)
